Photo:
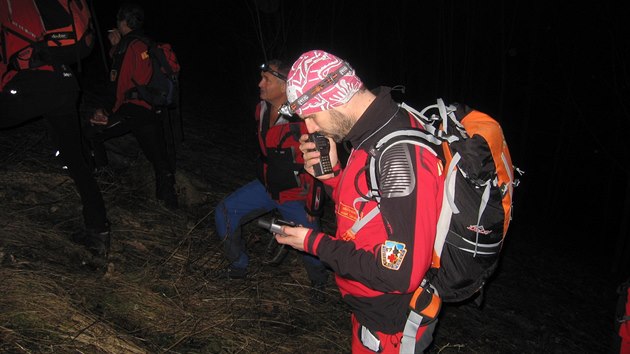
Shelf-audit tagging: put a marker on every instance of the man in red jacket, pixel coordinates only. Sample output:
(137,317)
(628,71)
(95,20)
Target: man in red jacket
(282,183)
(379,267)
(123,113)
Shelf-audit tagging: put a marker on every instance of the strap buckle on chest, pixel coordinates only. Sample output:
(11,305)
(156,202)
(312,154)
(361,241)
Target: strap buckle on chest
(426,302)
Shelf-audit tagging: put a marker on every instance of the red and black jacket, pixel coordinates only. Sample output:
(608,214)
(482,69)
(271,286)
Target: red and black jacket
(131,66)
(281,167)
(43,35)
(378,268)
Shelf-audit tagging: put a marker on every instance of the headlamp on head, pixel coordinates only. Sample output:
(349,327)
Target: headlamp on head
(264,67)
(286,110)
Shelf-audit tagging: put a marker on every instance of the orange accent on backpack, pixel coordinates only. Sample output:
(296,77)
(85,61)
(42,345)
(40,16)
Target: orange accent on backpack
(25,34)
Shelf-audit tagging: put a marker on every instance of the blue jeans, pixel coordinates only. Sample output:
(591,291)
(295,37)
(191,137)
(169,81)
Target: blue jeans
(248,203)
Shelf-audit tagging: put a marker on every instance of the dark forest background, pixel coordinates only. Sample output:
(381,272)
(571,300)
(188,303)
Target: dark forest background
(554,74)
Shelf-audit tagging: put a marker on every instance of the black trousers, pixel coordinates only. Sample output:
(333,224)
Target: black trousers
(55,97)
(145,126)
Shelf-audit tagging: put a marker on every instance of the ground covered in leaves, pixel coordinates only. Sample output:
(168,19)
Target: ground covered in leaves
(157,292)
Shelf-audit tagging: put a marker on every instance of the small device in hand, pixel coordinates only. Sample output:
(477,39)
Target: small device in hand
(274,225)
(322,145)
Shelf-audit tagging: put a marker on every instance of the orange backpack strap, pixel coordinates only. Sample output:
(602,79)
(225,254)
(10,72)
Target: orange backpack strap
(424,309)
(21,27)
(480,123)
(59,29)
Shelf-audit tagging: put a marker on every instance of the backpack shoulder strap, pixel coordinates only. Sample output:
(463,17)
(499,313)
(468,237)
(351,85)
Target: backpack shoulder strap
(295,130)
(439,120)
(141,37)
(129,38)
(121,49)
(389,167)
(390,153)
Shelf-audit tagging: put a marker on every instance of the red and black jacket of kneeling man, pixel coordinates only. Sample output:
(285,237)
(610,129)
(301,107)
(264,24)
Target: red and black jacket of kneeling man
(281,167)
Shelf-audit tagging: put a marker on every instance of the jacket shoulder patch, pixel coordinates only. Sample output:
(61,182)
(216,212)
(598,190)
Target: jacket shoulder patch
(393,254)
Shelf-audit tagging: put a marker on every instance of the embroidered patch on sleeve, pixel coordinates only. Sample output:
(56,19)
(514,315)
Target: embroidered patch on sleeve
(392,254)
(347,211)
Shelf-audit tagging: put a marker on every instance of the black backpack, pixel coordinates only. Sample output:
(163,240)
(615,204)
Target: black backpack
(477,204)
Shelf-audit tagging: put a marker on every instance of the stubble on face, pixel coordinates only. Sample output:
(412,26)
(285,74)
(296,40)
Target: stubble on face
(339,127)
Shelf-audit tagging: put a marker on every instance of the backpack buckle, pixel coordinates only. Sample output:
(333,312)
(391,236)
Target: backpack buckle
(424,308)
(425,302)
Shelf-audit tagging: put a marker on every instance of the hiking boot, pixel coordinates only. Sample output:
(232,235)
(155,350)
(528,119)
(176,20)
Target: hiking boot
(97,242)
(165,189)
(231,272)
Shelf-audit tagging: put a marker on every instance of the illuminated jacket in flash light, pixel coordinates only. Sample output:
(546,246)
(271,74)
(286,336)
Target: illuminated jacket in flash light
(378,268)
(281,166)
(42,35)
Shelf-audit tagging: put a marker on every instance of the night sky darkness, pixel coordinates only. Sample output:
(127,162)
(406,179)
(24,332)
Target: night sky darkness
(553,74)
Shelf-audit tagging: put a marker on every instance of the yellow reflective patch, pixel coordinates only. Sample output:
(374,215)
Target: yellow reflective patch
(347,211)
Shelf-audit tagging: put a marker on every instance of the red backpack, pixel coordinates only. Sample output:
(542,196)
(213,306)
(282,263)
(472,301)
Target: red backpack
(40,34)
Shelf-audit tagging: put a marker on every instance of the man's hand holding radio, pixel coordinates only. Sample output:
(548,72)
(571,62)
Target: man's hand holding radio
(320,155)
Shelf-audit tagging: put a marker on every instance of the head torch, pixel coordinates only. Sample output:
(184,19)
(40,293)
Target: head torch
(286,110)
(264,67)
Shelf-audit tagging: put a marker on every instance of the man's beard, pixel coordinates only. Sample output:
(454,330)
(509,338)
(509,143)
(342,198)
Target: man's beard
(340,126)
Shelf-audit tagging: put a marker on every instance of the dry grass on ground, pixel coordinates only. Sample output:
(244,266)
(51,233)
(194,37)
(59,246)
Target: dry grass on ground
(157,292)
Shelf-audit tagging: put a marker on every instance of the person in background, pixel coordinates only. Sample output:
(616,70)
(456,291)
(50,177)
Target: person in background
(123,113)
(37,80)
(281,184)
(379,267)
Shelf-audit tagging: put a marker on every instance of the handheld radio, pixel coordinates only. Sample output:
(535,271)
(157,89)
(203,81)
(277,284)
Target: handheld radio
(322,145)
